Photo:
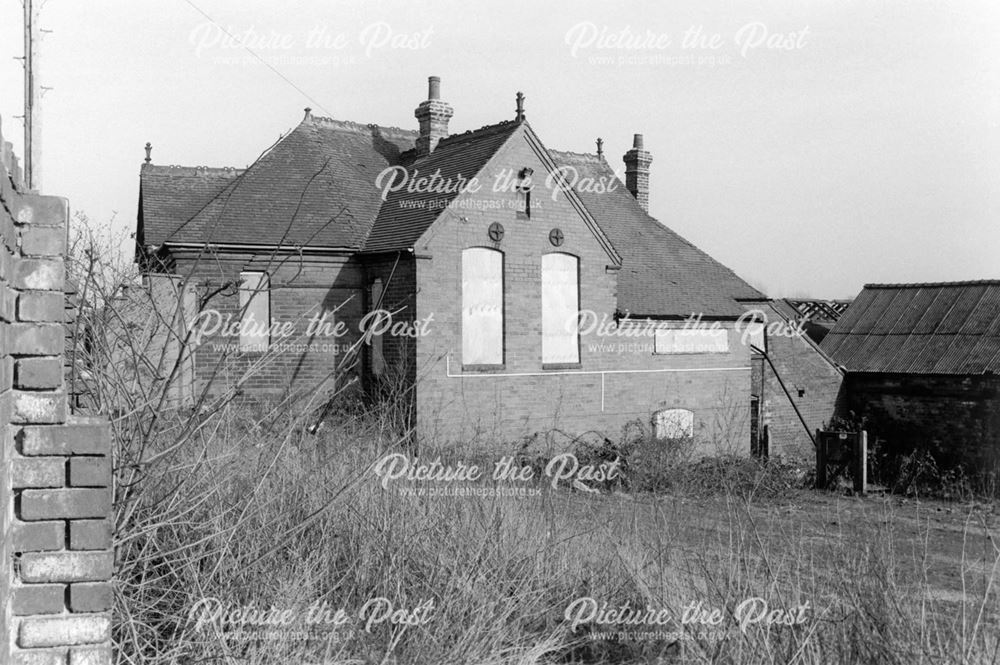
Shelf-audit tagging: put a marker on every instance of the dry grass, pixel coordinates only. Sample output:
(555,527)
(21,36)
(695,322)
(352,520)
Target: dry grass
(246,507)
(274,517)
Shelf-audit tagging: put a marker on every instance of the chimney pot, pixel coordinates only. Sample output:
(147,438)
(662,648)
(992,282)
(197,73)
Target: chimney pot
(434,87)
(637,141)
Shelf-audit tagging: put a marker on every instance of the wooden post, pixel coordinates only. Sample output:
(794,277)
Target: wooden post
(32,99)
(861,462)
(820,461)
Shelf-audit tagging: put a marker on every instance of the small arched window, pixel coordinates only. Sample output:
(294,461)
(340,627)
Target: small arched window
(674,424)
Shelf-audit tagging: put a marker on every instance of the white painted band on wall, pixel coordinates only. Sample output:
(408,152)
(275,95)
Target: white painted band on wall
(602,372)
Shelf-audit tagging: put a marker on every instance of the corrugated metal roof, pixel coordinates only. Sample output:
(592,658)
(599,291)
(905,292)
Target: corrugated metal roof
(939,328)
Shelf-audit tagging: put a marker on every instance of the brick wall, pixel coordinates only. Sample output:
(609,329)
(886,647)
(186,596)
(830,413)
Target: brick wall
(613,385)
(397,272)
(816,387)
(619,379)
(55,484)
(301,288)
(957,418)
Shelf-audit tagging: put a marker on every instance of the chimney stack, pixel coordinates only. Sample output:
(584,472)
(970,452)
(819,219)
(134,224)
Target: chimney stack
(637,163)
(433,116)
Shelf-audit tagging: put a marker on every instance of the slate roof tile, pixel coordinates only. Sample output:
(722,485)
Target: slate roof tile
(405,215)
(317,187)
(661,273)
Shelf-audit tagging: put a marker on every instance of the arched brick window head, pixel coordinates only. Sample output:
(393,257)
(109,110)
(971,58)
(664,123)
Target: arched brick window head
(560,308)
(482,306)
(674,424)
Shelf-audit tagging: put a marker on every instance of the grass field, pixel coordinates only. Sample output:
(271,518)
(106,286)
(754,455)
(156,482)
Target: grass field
(243,526)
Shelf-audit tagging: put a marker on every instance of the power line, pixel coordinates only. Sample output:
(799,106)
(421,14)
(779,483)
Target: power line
(262,60)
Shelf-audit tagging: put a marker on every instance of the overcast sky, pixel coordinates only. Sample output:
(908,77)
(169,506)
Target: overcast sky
(810,146)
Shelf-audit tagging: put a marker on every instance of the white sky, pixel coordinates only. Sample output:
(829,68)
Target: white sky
(868,153)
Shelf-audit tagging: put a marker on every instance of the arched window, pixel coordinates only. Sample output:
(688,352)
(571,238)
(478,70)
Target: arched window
(674,424)
(560,309)
(482,306)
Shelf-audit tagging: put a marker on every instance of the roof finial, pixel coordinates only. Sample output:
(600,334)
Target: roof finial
(149,149)
(308,114)
(600,147)
(519,116)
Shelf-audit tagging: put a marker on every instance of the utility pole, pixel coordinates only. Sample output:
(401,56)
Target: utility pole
(32,99)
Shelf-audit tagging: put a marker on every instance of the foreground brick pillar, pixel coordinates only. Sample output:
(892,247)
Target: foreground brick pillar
(55,469)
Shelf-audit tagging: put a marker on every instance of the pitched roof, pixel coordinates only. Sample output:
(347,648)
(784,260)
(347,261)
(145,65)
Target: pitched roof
(661,273)
(170,195)
(406,215)
(935,328)
(316,186)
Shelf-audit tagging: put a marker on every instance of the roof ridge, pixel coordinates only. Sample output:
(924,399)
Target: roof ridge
(911,285)
(179,170)
(476,133)
(411,159)
(589,155)
(362,127)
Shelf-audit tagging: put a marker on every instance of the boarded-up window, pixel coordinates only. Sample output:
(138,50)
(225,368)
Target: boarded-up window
(674,424)
(693,340)
(482,306)
(560,309)
(255,311)
(377,357)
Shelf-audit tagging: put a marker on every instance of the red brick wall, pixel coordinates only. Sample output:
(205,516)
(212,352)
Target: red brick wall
(612,387)
(499,407)
(957,418)
(816,387)
(301,287)
(398,274)
(55,469)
